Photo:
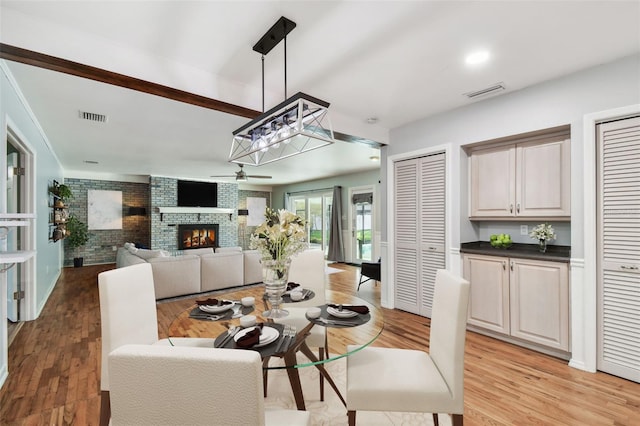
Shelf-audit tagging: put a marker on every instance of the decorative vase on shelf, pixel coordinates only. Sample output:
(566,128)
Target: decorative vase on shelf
(275,275)
(542,246)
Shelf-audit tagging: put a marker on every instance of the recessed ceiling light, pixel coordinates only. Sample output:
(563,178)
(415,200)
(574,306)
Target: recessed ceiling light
(372,120)
(478,57)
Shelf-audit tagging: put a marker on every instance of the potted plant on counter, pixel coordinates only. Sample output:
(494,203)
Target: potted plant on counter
(77,236)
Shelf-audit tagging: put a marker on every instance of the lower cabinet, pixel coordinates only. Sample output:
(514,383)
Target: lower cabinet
(522,298)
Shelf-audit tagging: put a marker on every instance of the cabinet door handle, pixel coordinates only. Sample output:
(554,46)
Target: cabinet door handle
(518,208)
(631,268)
(504,266)
(511,266)
(510,208)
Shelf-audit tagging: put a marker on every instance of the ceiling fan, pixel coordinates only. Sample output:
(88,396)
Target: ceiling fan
(241,176)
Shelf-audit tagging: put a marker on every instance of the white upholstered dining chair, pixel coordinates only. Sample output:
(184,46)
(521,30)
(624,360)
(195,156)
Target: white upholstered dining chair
(389,379)
(308,268)
(163,385)
(128,315)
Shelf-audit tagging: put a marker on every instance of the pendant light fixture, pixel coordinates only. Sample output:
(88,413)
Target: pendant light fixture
(299,124)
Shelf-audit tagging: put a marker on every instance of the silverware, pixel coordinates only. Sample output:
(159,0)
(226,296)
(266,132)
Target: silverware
(335,322)
(230,333)
(204,316)
(285,332)
(292,336)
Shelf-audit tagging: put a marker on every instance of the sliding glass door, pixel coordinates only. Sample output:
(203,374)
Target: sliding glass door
(315,208)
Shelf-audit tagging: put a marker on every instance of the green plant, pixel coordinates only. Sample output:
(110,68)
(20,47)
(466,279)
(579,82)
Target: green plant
(62,191)
(78,232)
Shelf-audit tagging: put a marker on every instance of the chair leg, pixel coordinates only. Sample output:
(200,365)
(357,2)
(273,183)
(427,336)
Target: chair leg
(321,357)
(456,420)
(435,419)
(265,375)
(105,408)
(351,416)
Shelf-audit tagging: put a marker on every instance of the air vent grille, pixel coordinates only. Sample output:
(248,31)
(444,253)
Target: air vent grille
(498,87)
(92,116)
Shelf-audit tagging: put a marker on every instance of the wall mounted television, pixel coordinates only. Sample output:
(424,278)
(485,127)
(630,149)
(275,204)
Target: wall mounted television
(197,194)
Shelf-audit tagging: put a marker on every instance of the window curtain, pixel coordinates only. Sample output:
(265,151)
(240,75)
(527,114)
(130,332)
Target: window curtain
(366,197)
(336,246)
(286,201)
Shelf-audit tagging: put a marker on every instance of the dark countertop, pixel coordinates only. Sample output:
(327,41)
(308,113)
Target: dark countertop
(523,251)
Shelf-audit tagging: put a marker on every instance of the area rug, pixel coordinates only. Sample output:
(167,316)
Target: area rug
(331,411)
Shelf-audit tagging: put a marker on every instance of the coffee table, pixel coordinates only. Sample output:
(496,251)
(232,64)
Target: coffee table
(338,336)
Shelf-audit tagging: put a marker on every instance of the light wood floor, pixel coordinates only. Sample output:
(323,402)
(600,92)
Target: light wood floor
(54,366)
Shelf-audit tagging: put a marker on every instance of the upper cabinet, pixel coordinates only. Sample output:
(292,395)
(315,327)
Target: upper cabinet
(521,180)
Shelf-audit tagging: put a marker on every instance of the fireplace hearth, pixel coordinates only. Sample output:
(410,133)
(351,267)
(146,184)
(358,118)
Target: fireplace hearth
(197,236)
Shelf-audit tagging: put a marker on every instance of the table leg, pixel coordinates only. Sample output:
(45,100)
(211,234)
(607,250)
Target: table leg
(309,353)
(294,379)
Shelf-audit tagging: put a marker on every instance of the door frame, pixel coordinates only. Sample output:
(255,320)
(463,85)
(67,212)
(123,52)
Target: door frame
(452,215)
(352,248)
(28,202)
(584,278)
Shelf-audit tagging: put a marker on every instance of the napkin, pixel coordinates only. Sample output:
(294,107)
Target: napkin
(213,302)
(291,286)
(361,309)
(250,338)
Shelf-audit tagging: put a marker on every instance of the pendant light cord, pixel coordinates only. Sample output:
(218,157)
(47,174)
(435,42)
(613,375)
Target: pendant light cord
(262,83)
(285,63)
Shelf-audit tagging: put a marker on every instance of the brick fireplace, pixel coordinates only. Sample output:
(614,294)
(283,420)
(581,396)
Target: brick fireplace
(193,236)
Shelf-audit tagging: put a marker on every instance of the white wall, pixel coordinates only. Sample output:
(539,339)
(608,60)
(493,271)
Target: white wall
(554,103)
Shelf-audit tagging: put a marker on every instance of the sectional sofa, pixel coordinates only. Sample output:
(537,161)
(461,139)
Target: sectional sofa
(197,270)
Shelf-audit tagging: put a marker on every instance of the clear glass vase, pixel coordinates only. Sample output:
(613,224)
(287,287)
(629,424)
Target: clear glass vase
(275,275)
(542,246)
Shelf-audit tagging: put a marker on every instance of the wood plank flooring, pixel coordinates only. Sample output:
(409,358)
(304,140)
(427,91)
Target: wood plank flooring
(54,365)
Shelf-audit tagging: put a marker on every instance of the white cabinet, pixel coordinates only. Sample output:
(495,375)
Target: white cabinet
(489,293)
(521,298)
(539,301)
(521,180)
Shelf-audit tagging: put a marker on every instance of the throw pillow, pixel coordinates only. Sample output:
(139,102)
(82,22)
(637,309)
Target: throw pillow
(149,254)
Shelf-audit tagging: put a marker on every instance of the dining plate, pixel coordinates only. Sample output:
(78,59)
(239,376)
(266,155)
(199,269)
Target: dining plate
(215,309)
(269,334)
(344,313)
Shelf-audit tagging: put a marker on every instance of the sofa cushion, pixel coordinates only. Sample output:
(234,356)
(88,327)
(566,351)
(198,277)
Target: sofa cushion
(200,251)
(252,267)
(149,254)
(176,276)
(125,258)
(221,270)
(228,249)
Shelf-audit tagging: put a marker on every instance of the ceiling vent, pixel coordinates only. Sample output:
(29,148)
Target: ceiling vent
(491,90)
(92,116)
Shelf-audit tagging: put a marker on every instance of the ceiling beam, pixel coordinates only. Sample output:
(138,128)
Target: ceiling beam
(53,63)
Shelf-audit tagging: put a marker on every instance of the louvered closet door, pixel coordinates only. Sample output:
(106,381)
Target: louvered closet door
(419,231)
(432,219)
(619,239)
(406,235)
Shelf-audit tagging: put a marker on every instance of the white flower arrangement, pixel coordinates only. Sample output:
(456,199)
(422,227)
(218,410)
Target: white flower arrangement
(543,232)
(281,236)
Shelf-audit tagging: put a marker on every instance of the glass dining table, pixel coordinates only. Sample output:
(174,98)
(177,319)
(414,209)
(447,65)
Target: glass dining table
(345,336)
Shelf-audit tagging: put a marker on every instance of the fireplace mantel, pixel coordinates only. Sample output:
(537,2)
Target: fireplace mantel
(198,210)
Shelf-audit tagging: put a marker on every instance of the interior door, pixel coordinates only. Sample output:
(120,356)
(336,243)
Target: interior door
(13,192)
(619,248)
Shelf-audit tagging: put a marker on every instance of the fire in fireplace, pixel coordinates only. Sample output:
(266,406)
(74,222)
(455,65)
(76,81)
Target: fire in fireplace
(197,236)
